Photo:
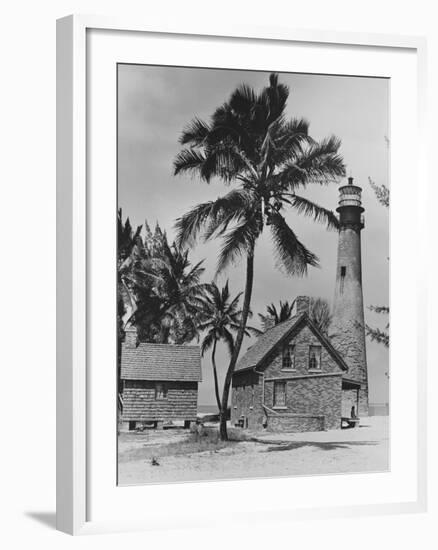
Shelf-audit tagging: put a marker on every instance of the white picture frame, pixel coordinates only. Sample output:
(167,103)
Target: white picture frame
(73,222)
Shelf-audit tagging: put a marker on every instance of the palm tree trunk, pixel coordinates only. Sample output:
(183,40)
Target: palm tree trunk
(238,344)
(216,383)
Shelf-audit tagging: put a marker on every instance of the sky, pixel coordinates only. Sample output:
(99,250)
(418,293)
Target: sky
(155,103)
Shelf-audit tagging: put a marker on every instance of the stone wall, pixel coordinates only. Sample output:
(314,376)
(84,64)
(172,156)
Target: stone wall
(349,339)
(139,403)
(302,341)
(317,396)
(295,423)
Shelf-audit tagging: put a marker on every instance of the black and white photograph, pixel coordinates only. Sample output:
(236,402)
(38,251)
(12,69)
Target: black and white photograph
(253,274)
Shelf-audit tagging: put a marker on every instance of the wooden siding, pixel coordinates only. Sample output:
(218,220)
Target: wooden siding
(139,401)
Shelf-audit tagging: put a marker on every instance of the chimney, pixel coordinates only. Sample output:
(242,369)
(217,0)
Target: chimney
(131,337)
(302,305)
(268,323)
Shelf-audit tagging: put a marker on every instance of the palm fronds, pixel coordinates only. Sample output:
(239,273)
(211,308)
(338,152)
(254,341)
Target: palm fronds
(320,314)
(319,163)
(211,216)
(189,160)
(318,213)
(377,335)
(238,242)
(195,132)
(275,315)
(159,289)
(381,192)
(290,253)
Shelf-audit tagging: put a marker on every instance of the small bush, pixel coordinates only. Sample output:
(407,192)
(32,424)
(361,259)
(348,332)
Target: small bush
(204,440)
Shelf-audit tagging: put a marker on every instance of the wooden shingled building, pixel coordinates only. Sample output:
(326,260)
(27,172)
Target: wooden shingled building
(159,383)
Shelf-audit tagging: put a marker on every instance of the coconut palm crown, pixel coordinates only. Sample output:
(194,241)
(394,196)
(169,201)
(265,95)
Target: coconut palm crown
(250,142)
(319,313)
(275,316)
(173,295)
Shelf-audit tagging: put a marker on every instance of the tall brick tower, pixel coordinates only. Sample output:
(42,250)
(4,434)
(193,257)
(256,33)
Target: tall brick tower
(348,327)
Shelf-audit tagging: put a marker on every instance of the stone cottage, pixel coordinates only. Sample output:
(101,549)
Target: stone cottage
(159,383)
(293,379)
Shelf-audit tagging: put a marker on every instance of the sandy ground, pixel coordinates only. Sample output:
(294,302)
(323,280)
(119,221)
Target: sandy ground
(361,449)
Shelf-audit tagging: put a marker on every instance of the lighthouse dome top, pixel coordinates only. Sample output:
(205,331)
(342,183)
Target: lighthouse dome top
(350,194)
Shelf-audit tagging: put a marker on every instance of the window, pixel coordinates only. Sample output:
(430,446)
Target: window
(343,273)
(279,393)
(288,359)
(251,404)
(314,357)
(160,391)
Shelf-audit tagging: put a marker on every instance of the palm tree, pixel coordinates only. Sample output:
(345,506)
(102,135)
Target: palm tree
(128,241)
(319,313)
(158,287)
(275,316)
(250,143)
(220,316)
(170,311)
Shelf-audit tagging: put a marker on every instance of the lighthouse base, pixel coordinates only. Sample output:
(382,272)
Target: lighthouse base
(354,399)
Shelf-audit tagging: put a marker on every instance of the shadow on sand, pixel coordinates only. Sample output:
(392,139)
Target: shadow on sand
(322,445)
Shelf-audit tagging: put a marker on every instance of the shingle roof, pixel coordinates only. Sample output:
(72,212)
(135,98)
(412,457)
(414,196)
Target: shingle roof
(273,336)
(265,343)
(161,362)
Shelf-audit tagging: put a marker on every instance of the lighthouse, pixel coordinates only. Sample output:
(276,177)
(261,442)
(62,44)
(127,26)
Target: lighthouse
(348,326)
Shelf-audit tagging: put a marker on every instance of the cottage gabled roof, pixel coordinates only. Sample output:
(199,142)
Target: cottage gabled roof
(161,362)
(277,334)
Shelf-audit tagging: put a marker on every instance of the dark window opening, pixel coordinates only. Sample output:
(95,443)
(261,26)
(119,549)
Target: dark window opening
(131,425)
(314,357)
(343,273)
(279,393)
(160,391)
(288,358)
